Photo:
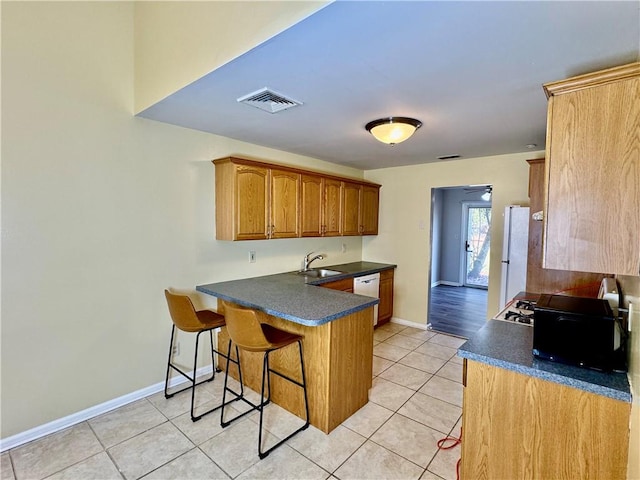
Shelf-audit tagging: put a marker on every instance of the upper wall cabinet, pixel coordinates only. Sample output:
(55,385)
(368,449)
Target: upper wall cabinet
(284,204)
(544,280)
(592,176)
(369,201)
(361,209)
(321,210)
(351,218)
(258,201)
(312,198)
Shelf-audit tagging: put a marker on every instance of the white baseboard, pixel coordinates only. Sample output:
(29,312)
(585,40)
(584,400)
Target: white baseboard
(450,284)
(408,323)
(91,412)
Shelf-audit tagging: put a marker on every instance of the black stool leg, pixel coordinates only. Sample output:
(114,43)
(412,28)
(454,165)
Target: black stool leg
(225,388)
(193,380)
(166,381)
(238,396)
(265,372)
(302,384)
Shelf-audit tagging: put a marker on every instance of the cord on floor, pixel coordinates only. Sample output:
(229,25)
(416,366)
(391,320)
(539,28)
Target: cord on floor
(442,445)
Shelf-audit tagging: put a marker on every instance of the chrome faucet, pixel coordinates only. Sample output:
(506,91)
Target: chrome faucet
(307,261)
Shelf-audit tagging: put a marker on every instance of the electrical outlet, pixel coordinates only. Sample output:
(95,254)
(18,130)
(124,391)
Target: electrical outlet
(344,248)
(176,349)
(252,257)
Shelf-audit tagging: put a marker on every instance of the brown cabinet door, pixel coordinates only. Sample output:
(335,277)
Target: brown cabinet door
(369,210)
(332,208)
(593,154)
(351,209)
(251,202)
(385,307)
(285,201)
(544,280)
(311,205)
(344,285)
(505,414)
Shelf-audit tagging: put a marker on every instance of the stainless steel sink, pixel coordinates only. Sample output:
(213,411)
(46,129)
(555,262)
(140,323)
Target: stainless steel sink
(319,273)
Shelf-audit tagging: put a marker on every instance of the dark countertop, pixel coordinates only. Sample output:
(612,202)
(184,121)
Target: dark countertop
(297,297)
(509,345)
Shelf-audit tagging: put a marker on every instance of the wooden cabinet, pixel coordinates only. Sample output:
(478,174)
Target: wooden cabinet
(351,217)
(258,201)
(244,189)
(592,214)
(542,280)
(369,209)
(254,202)
(516,426)
(332,208)
(344,285)
(322,206)
(385,307)
(284,204)
(361,209)
(312,188)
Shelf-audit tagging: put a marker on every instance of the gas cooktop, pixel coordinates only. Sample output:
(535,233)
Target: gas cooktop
(518,311)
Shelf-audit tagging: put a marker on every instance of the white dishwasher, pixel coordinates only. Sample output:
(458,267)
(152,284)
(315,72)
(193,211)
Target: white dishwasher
(369,286)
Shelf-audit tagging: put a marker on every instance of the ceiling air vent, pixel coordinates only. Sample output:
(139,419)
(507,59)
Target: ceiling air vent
(269,101)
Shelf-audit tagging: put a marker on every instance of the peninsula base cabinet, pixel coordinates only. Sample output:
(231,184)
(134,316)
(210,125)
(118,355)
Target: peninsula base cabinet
(517,426)
(338,362)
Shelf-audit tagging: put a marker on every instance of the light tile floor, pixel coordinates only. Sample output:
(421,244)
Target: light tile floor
(415,401)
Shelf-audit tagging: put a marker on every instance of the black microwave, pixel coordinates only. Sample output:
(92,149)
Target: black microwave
(578,331)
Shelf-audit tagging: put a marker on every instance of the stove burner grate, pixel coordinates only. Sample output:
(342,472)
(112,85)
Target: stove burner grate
(525,304)
(519,317)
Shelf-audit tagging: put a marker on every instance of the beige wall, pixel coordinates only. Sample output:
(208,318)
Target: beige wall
(405,216)
(631,289)
(100,212)
(178,42)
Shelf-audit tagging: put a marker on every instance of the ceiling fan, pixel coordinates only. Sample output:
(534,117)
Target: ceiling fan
(487,189)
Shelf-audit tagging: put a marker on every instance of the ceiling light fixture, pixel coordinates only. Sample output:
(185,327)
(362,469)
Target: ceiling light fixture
(392,130)
(486,196)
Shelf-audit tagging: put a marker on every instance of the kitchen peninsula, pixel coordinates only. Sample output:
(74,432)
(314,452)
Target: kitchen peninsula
(338,338)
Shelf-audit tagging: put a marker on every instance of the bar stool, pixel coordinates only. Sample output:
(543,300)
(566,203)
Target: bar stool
(185,317)
(247,332)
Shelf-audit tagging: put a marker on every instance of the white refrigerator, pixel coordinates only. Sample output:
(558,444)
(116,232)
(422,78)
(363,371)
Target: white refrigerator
(514,252)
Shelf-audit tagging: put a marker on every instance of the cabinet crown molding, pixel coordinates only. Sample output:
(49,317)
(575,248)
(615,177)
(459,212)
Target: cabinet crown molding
(588,80)
(291,168)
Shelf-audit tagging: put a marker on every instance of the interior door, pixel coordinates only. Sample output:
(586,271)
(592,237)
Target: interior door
(477,245)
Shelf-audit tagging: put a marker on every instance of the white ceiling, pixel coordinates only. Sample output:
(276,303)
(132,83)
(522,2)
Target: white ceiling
(472,72)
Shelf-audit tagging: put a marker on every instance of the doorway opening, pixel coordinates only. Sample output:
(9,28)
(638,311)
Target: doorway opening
(460,247)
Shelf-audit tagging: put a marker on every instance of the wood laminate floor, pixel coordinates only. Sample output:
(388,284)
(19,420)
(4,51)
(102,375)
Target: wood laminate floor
(457,310)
